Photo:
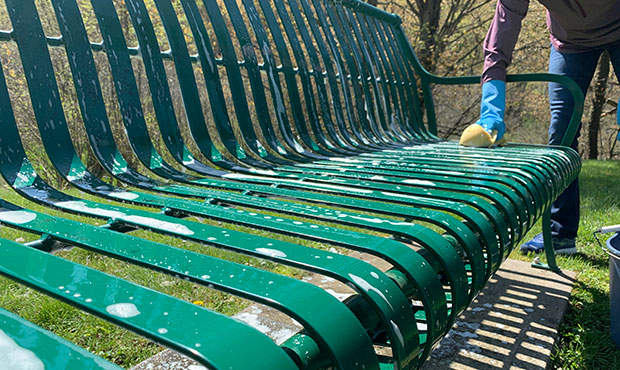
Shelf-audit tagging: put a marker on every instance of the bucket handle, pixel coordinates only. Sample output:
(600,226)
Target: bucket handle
(605,230)
(608,229)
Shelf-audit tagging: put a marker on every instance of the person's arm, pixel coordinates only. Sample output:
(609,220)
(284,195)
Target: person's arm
(502,37)
(498,47)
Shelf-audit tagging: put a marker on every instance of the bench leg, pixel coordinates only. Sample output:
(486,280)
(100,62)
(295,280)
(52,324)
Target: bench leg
(549,252)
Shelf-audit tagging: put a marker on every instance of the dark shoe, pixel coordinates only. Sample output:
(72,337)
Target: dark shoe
(564,246)
(560,245)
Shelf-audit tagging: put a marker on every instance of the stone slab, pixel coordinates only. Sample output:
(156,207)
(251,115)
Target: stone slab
(512,324)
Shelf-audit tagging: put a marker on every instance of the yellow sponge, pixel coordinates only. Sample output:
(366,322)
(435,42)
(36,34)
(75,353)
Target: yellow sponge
(476,136)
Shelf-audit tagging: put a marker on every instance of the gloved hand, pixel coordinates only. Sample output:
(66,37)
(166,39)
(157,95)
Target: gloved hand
(492,107)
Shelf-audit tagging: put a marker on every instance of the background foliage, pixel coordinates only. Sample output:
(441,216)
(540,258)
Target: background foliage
(448,36)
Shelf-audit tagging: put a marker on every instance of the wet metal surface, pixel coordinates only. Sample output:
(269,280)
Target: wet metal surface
(512,324)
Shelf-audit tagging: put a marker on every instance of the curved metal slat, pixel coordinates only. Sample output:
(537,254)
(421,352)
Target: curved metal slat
(207,338)
(327,135)
(31,344)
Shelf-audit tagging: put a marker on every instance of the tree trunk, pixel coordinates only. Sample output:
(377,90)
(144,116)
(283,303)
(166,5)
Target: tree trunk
(429,15)
(598,100)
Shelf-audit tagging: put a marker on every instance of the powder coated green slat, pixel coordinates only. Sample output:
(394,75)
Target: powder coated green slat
(346,81)
(402,84)
(378,124)
(392,103)
(366,118)
(462,165)
(156,77)
(324,101)
(335,76)
(535,174)
(91,102)
(127,90)
(321,44)
(208,338)
(507,203)
(368,78)
(412,160)
(187,83)
(213,84)
(277,97)
(404,87)
(401,48)
(513,180)
(405,195)
(30,345)
(233,73)
(287,69)
(406,70)
(543,166)
(303,71)
(458,230)
(405,81)
(160,90)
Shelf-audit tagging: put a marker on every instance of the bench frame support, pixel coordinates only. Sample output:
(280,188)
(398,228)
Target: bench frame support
(549,251)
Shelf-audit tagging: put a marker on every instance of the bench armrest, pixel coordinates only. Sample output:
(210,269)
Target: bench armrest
(578,98)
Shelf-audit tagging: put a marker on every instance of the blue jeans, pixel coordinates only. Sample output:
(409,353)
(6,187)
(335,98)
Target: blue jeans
(580,67)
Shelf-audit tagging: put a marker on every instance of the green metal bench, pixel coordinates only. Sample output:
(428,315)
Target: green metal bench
(316,115)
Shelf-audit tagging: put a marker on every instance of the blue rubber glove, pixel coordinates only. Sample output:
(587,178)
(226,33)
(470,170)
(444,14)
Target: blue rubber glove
(492,107)
(618,119)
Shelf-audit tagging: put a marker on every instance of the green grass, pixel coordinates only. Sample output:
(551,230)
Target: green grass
(585,341)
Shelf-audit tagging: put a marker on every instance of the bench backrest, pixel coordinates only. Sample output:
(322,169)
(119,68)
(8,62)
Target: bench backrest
(279,77)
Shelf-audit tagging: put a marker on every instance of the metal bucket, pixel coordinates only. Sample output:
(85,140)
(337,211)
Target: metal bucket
(613,246)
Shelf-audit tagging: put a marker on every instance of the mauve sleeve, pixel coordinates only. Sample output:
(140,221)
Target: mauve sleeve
(502,37)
